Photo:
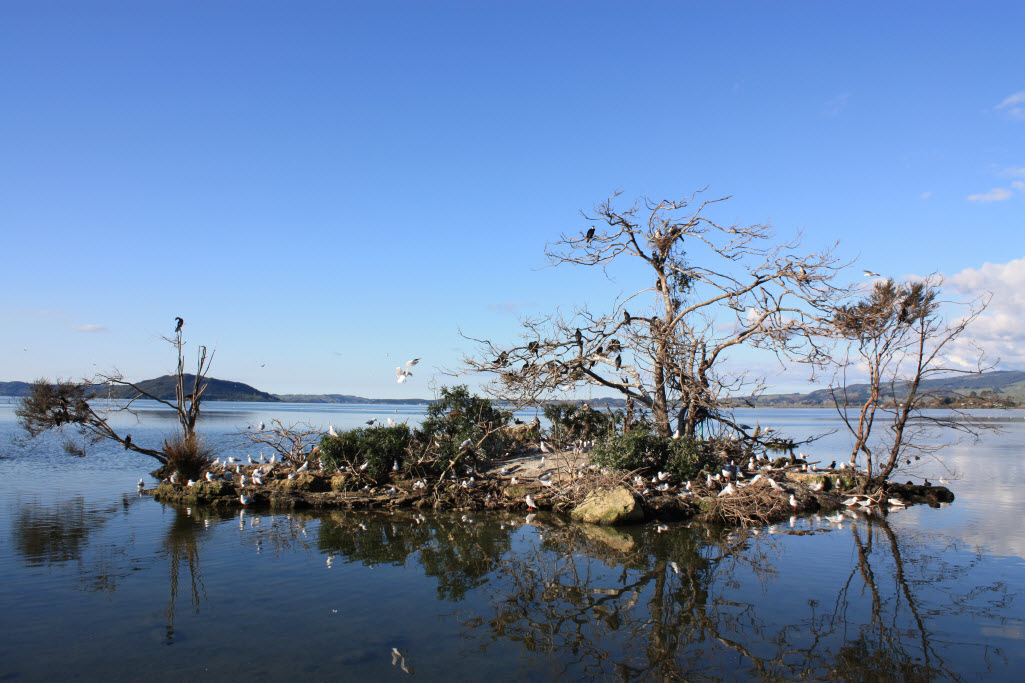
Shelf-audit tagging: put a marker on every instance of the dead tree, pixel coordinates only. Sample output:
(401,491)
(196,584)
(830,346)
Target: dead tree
(898,335)
(294,442)
(87,405)
(707,289)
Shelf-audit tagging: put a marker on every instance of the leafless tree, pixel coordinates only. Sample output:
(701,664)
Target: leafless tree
(293,442)
(708,289)
(87,405)
(898,335)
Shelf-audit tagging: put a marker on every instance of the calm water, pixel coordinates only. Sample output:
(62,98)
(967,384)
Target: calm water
(101,583)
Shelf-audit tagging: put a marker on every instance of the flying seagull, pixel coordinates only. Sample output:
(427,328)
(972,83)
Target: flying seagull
(180,322)
(402,375)
(870,273)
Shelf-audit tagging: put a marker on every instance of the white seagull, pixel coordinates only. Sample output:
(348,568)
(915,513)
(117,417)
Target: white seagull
(530,502)
(871,273)
(402,375)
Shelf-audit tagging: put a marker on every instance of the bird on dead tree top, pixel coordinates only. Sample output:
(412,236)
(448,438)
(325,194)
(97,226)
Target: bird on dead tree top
(180,323)
(590,234)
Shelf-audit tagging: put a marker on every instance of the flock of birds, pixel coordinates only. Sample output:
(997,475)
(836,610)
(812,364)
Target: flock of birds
(246,474)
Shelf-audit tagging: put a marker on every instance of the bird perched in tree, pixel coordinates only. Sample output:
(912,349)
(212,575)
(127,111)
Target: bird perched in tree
(371,421)
(533,347)
(619,362)
(128,442)
(590,234)
(178,324)
(331,430)
(626,316)
(402,375)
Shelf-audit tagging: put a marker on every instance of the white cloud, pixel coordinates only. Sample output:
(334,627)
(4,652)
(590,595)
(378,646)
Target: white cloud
(997,194)
(89,328)
(1018,185)
(998,331)
(510,307)
(925,195)
(1014,105)
(1014,172)
(837,104)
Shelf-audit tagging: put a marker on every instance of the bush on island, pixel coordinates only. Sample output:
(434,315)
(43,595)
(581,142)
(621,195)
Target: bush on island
(458,415)
(379,447)
(639,449)
(571,422)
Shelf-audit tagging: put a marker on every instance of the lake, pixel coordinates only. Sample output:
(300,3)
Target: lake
(101,583)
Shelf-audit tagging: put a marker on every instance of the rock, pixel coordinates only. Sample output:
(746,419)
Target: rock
(609,508)
(615,540)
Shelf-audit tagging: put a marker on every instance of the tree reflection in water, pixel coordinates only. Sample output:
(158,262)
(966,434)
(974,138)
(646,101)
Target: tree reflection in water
(610,604)
(59,533)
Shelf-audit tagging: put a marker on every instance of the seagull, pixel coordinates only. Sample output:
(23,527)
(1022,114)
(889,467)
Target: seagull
(245,500)
(871,273)
(262,425)
(174,477)
(661,527)
(896,502)
(675,567)
(256,479)
(545,448)
(331,430)
(793,501)
(305,467)
(180,323)
(530,502)
(250,459)
(371,421)
(850,501)
(210,476)
(728,491)
(190,482)
(402,375)
(465,444)
(395,466)
(242,480)
(142,484)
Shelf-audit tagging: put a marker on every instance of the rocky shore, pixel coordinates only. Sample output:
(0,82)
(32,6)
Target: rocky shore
(566,483)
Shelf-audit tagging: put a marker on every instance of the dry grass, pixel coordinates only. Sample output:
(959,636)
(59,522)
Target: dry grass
(187,455)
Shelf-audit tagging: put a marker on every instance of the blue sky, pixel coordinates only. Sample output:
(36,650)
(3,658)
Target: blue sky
(324,190)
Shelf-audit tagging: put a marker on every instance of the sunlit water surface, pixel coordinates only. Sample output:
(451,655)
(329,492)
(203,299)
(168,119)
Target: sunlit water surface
(99,582)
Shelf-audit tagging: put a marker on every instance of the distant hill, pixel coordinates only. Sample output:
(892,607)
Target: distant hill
(348,398)
(1005,387)
(216,389)
(14,388)
(163,387)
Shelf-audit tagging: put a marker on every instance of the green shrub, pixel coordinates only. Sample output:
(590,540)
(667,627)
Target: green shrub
(640,449)
(380,447)
(458,415)
(571,422)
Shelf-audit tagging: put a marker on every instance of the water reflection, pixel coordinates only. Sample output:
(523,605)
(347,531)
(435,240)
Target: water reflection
(556,599)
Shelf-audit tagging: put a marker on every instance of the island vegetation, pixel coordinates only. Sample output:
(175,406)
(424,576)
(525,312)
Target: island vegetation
(674,449)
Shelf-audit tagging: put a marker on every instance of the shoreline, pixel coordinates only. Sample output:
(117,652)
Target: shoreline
(565,483)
